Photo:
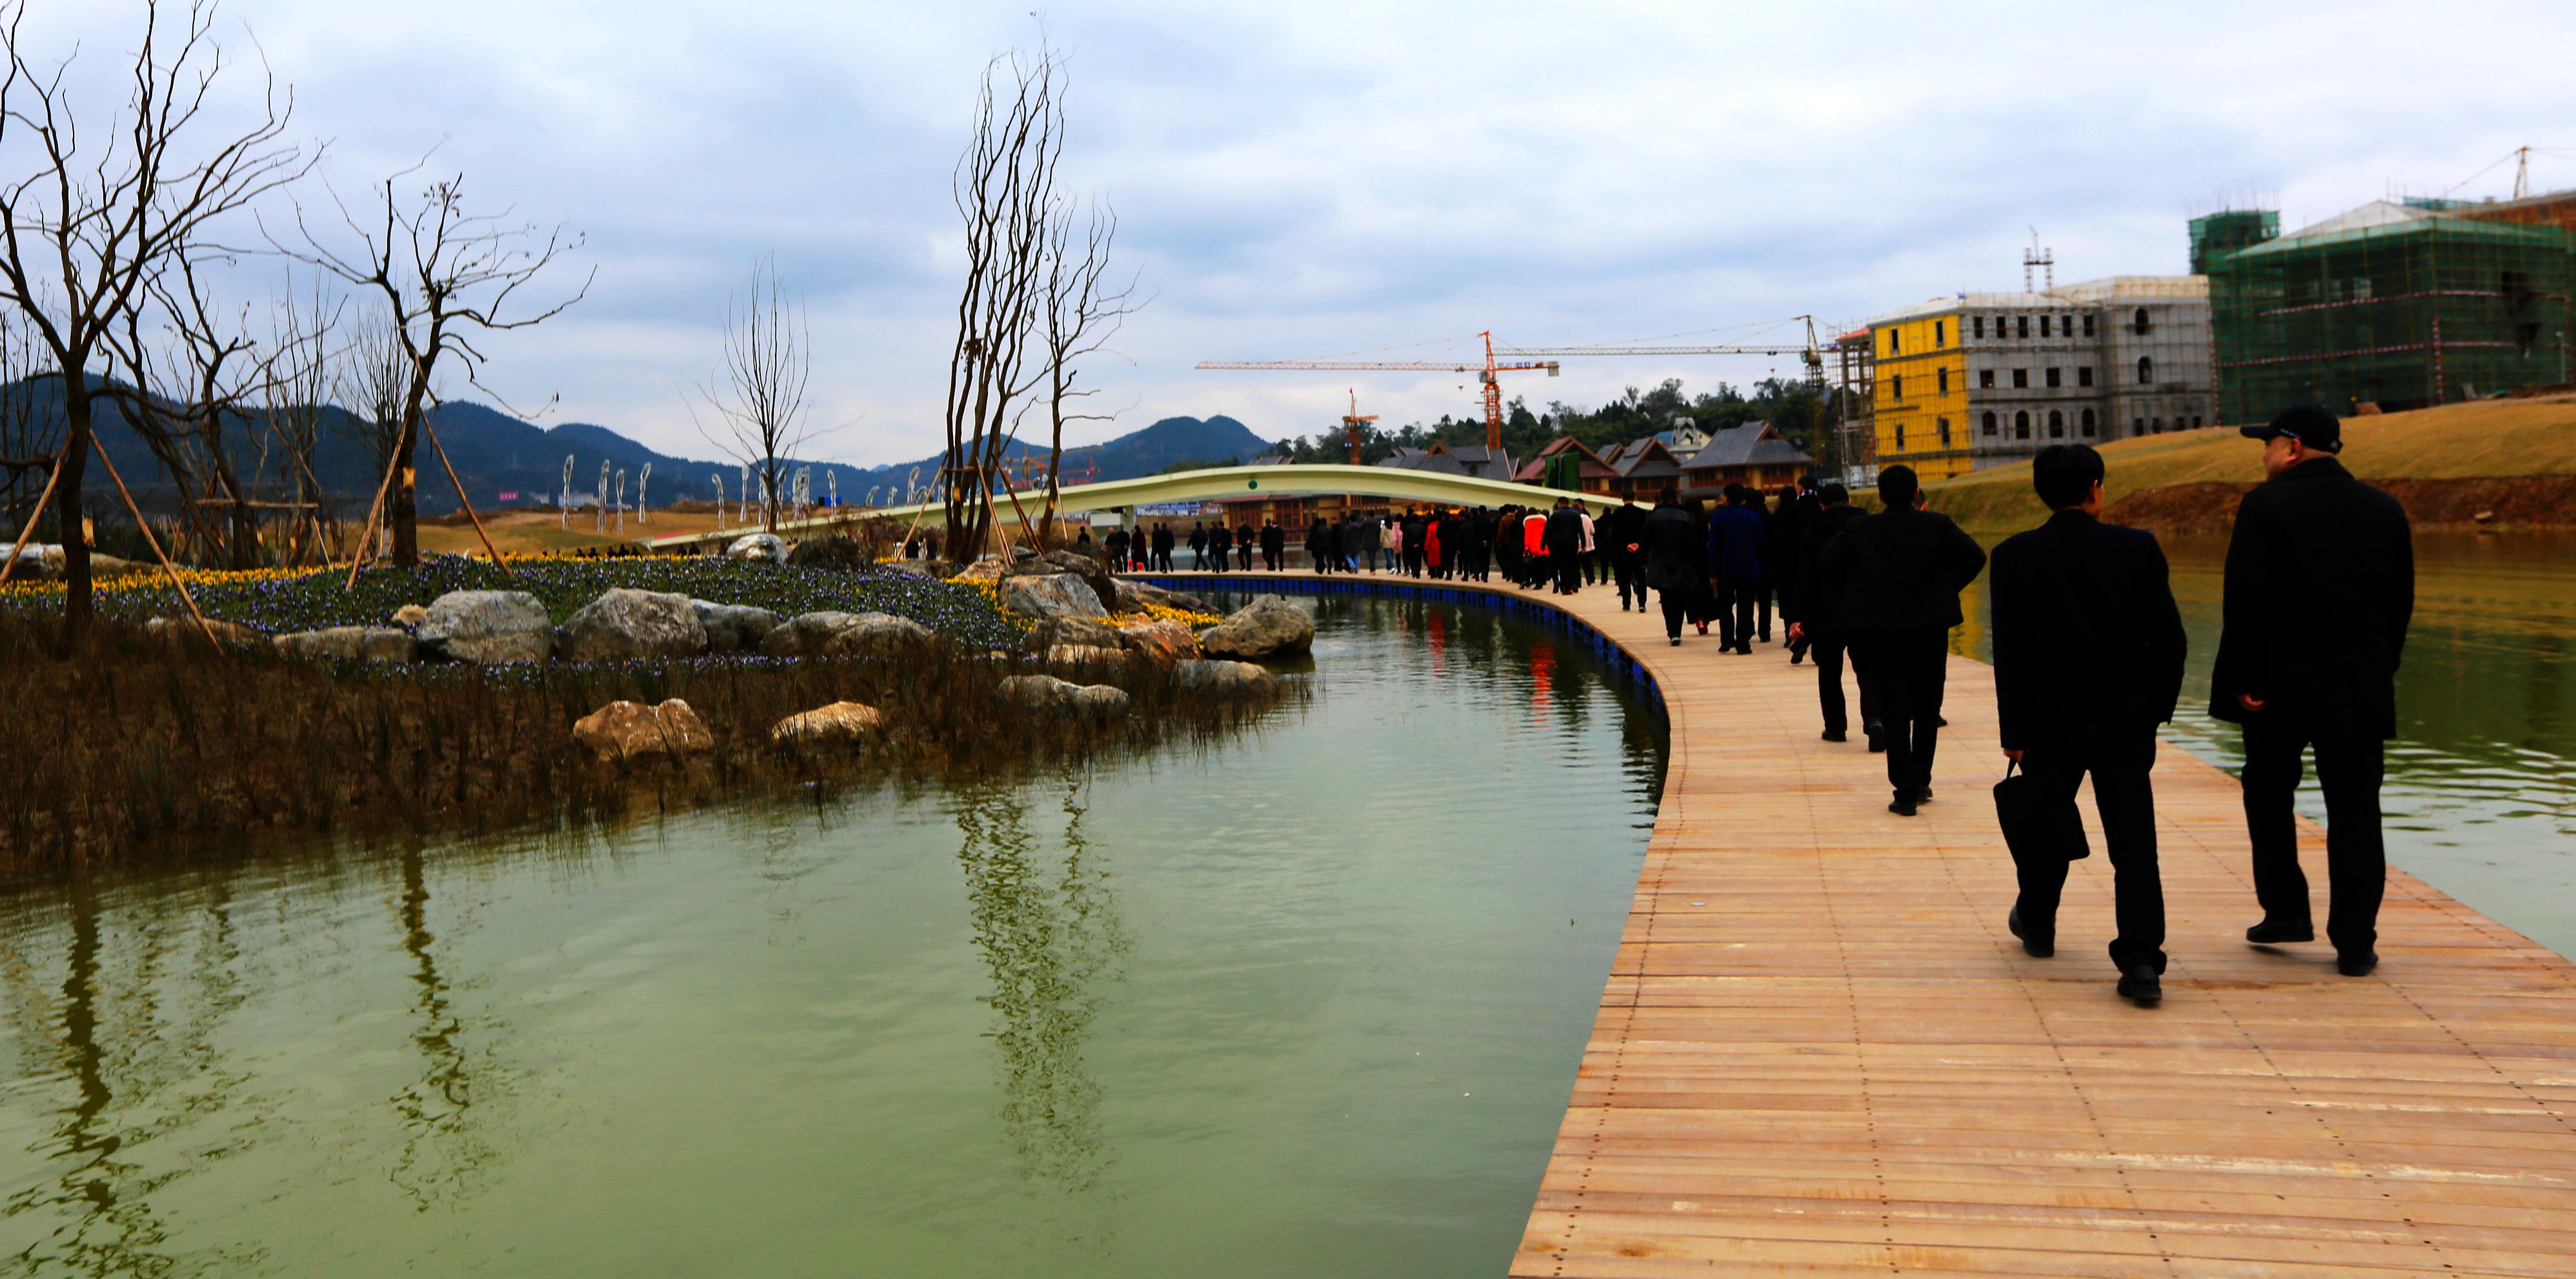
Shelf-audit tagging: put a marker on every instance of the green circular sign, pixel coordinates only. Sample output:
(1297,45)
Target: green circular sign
(1252,484)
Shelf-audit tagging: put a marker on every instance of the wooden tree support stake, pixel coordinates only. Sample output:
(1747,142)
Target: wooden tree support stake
(11,565)
(358,553)
(155,544)
(467,502)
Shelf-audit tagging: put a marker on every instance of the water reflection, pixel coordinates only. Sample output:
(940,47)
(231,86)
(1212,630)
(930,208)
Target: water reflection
(440,1154)
(1050,936)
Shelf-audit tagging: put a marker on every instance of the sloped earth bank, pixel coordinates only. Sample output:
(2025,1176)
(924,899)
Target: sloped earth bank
(2541,501)
(1306,999)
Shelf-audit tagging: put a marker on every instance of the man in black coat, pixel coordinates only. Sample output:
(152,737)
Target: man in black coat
(1565,546)
(1622,535)
(1780,542)
(1896,578)
(1274,544)
(2320,587)
(1162,547)
(1670,541)
(2088,661)
(1817,622)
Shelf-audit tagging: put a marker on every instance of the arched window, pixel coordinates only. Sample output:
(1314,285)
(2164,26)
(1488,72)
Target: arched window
(2021,426)
(2138,323)
(2056,425)
(1990,422)
(2146,371)
(2088,424)
(1943,376)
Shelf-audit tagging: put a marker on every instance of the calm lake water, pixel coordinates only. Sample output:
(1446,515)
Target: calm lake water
(1308,1003)
(2481,790)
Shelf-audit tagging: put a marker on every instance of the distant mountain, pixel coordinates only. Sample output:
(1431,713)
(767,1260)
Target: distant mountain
(504,461)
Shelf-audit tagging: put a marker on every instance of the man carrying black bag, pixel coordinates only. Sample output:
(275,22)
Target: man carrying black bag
(2088,661)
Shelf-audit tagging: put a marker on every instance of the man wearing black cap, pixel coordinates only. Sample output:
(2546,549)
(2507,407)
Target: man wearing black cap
(1895,578)
(2320,586)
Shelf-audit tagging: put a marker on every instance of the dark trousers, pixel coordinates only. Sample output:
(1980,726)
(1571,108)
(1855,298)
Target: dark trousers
(2349,770)
(1762,608)
(2126,800)
(1676,601)
(1163,559)
(1828,652)
(1623,570)
(1735,597)
(1569,570)
(1908,669)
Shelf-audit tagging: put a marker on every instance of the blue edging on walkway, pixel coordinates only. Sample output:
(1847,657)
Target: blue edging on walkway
(1610,651)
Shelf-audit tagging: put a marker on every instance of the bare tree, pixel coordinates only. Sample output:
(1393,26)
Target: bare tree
(447,277)
(84,230)
(1005,190)
(758,397)
(296,396)
(369,378)
(188,368)
(29,430)
(1084,308)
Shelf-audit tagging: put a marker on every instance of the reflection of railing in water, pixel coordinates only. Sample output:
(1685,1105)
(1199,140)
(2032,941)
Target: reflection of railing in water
(1051,940)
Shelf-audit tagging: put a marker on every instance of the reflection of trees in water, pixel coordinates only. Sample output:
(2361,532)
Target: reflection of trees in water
(441,1152)
(1051,938)
(132,1042)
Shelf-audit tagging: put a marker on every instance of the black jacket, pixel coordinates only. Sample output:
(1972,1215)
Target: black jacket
(1624,524)
(2320,586)
(1672,542)
(2088,642)
(1900,570)
(1808,603)
(1564,531)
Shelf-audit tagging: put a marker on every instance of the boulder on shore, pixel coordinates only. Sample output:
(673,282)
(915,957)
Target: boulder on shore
(835,634)
(763,548)
(487,627)
(1077,701)
(1225,679)
(1051,595)
(351,644)
(1087,655)
(1136,597)
(410,616)
(832,550)
(1266,627)
(1082,632)
(1103,587)
(624,730)
(838,724)
(183,630)
(734,627)
(624,622)
(1164,642)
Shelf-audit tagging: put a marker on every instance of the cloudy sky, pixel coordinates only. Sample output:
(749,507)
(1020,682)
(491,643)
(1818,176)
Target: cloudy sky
(1321,178)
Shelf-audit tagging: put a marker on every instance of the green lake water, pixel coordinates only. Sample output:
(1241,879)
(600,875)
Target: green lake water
(2481,789)
(1308,1002)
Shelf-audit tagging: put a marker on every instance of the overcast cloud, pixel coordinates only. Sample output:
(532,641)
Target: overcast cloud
(1319,178)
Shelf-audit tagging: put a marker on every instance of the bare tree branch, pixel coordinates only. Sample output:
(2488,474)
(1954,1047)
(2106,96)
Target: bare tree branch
(758,397)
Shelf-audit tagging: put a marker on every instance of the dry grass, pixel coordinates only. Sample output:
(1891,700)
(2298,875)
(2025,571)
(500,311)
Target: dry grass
(2484,439)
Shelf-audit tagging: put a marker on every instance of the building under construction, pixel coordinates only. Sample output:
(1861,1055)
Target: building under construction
(2398,304)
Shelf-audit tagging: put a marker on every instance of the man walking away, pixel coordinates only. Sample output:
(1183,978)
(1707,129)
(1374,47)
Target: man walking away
(1735,561)
(1274,544)
(1198,545)
(1670,539)
(1624,531)
(1564,534)
(1896,576)
(1819,618)
(2320,587)
(2088,661)
(1780,539)
(1162,547)
(1243,536)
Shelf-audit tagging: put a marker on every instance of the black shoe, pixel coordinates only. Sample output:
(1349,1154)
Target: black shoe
(2273,932)
(1922,794)
(2034,946)
(2140,983)
(1834,735)
(1677,641)
(1877,744)
(2356,965)
(1902,806)
(1796,657)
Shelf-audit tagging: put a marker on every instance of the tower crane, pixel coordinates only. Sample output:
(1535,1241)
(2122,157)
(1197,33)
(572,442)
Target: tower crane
(1351,424)
(1516,359)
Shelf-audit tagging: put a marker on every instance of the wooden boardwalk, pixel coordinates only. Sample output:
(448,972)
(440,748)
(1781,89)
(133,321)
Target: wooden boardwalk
(1820,1053)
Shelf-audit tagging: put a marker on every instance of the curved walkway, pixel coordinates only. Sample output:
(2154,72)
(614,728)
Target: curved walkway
(1820,1053)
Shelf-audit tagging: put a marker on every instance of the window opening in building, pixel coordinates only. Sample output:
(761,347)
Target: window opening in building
(1896,386)
(2138,323)
(1891,341)
(1977,326)
(2088,424)
(2056,425)
(1940,333)
(1943,424)
(1990,422)
(2155,426)
(2043,326)
(2195,421)
(2084,375)
(1900,437)
(2024,326)
(2088,324)
(2146,371)
(1942,378)
(1986,379)
(2021,378)
(2021,425)
(2137,426)
(2054,379)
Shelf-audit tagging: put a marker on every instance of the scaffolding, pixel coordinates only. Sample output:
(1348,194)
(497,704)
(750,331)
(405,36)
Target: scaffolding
(2229,230)
(2395,305)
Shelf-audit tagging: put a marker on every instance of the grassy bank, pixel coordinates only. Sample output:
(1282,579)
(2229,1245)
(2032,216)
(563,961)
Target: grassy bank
(2444,448)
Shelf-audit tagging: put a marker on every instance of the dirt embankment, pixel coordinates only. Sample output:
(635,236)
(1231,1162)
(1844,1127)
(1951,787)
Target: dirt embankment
(2209,506)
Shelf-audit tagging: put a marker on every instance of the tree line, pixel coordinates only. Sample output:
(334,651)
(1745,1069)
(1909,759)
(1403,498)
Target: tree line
(1789,404)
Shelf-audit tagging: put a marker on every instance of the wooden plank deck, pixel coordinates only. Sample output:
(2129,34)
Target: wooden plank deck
(1819,1052)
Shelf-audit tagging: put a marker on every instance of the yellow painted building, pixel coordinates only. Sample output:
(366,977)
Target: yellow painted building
(1920,400)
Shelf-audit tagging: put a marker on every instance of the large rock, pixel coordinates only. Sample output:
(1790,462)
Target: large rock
(351,644)
(1063,697)
(838,724)
(1080,632)
(1225,679)
(833,634)
(833,550)
(625,730)
(763,548)
(1087,657)
(626,623)
(734,627)
(1164,642)
(988,569)
(38,562)
(487,627)
(1266,627)
(1135,597)
(229,636)
(1102,585)
(410,616)
(1051,595)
